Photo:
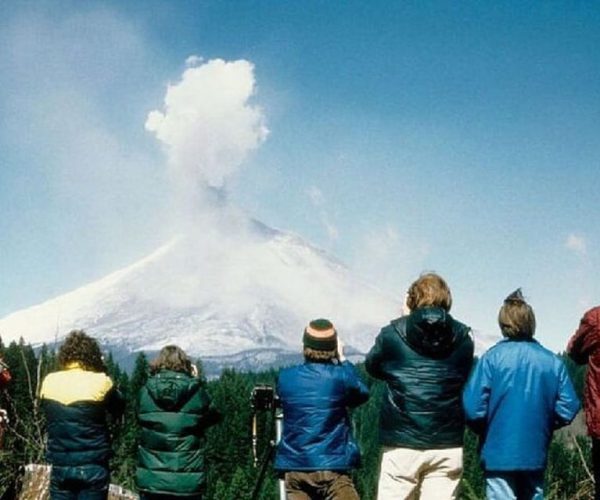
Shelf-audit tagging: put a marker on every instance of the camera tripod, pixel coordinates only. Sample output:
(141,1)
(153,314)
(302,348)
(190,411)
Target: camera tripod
(264,398)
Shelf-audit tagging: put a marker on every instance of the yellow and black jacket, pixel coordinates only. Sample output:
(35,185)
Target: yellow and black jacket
(76,402)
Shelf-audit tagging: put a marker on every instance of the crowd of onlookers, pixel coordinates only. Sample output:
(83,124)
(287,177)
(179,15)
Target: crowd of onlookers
(513,398)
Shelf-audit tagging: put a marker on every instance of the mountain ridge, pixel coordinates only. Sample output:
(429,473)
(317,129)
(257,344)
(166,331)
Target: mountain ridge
(213,301)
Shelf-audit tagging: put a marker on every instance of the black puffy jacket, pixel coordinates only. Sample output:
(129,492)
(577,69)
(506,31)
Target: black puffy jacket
(425,359)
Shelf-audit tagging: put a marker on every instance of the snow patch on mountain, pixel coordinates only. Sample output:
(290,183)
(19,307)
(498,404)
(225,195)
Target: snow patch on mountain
(214,301)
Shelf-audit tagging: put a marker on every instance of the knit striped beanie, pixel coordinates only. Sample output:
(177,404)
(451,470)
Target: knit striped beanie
(320,335)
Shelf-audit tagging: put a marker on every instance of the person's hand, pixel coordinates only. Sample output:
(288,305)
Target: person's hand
(3,417)
(194,370)
(340,350)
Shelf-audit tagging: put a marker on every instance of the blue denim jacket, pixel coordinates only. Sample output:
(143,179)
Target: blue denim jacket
(517,395)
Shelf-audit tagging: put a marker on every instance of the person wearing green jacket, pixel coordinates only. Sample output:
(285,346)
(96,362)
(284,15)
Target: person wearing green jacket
(174,412)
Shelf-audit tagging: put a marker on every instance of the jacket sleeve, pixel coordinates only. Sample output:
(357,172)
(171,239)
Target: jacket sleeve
(356,390)
(476,395)
(471,352)
(567,404)
(211,414)
(5,376)
(375,358)
(585,340)
(115,403)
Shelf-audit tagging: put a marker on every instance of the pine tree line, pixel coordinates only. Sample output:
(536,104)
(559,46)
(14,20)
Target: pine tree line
(229,460)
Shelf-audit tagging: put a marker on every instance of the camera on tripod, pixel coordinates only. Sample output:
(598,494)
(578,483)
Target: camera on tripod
(263,398)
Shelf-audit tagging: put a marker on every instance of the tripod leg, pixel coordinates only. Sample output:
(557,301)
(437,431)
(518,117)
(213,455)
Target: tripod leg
(263,469)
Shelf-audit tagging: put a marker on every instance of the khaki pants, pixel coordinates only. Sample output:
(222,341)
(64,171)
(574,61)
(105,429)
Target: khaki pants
(409,474)
(322,485)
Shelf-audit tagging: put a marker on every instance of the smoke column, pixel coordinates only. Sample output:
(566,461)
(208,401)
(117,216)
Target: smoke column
(208,126)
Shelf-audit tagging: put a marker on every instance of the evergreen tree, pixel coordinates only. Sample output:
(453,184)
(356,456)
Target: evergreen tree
(577,374)
(24,438)
(228,444)
(472,485)
(139,377)
(113,370)
(366,431)
(126,433)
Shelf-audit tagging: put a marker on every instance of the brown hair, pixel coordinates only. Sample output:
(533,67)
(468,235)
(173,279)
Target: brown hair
(430,290)
(172,358)
(319,356)
(516,318)
(80,348)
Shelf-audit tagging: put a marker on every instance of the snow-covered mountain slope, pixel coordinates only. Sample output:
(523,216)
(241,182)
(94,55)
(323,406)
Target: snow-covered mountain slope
(214,295)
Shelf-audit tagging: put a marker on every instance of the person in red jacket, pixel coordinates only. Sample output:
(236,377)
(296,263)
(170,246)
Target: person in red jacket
(5,378)
(584,348)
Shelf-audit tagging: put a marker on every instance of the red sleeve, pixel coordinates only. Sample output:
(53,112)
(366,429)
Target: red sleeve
(586,339)
(5,376)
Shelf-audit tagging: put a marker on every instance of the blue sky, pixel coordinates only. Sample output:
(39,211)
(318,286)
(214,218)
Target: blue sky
(404,136)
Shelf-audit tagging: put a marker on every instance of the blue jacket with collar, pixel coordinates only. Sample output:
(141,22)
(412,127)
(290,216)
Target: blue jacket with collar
(518,393)
(317,432)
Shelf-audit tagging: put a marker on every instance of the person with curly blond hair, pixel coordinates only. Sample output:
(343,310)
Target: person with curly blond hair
(76,400)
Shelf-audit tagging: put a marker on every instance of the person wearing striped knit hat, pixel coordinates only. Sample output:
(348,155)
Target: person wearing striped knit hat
(317,450)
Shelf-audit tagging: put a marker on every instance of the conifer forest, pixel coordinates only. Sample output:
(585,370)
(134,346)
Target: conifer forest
(230,464)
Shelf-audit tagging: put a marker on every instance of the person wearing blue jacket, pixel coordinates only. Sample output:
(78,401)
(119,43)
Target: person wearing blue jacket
(317,449)
(517,395)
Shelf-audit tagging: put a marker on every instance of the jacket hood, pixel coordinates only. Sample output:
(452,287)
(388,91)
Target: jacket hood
(592,318)
(171,390)
(431,331)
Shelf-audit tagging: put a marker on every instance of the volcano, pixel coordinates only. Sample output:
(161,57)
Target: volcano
(215,296)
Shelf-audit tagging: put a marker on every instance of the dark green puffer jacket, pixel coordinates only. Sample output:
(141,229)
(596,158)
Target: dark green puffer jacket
(425,359)
(174,412)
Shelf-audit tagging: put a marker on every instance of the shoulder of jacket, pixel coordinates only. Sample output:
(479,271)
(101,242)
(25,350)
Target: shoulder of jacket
(390,334)
(346,369)
(65,376)
(506,343)
(69,386)
(461,327)
(549,358)
(550,354)
(394,323)
(495,349)
(288,371)
(394,327)
(464,334)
